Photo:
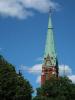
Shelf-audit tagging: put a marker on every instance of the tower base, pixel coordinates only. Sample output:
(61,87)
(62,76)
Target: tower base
(47,73)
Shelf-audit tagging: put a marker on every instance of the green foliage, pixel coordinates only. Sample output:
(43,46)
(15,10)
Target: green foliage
(56,89)
(40,98)
(13,86)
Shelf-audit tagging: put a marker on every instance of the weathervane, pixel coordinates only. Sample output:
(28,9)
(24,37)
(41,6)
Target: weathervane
(50,10)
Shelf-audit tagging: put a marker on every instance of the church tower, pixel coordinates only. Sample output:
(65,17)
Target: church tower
(50,64)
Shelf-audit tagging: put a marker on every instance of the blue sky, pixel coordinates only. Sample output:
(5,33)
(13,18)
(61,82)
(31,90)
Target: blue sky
(23,31)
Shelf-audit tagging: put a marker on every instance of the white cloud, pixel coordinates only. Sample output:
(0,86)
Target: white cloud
(64,70)
(13,8)
(22,8)
(38,80)
(72,77)
(36,69)
(40,5)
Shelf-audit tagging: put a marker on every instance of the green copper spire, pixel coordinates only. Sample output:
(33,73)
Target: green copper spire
(50,48)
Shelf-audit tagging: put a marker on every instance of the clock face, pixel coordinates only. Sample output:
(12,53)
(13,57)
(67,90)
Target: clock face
(53,73)
(48,63)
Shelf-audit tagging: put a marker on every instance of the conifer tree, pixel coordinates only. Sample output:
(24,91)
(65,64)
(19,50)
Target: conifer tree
(13,86)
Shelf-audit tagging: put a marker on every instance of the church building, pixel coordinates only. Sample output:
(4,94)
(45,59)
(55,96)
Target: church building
(50,63)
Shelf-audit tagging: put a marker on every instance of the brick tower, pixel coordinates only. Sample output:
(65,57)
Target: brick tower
(50,64)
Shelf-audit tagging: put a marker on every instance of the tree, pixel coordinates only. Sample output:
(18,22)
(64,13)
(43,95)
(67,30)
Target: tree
(13,86)
(56,89)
